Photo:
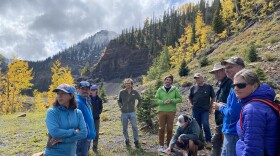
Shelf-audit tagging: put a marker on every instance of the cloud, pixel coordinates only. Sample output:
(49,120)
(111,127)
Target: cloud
(37,29)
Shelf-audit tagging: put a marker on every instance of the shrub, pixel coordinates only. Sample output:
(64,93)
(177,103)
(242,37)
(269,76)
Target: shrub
(268,56)
(184,70)
(204,61)
(252,53)
(261,74)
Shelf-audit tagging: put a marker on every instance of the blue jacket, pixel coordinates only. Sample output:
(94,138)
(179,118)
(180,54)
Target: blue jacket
(231,113)
(260,126)
(61,123)
(84,106)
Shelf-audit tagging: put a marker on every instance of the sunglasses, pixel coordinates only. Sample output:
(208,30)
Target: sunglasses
(239,85)
(84,84)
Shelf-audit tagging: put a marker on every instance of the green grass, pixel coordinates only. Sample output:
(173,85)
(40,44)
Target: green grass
(27,135)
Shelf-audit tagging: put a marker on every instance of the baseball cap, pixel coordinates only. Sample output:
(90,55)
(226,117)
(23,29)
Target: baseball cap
(217,66)
(234,60)
(94,87)
(196,75)
(182,119)
(83,84)
(65,88)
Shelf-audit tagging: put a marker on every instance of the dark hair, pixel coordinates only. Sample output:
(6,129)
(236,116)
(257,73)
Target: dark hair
(169,76)
(72,103)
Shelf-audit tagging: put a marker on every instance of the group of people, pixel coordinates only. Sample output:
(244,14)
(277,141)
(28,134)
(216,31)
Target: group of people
(243,126)
(73,120)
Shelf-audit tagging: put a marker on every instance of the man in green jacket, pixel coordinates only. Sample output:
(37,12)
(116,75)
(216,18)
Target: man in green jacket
(127,99)
(167,97)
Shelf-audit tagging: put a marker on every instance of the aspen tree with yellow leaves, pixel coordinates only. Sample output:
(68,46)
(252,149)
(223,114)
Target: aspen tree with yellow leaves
(228,13)
(40,103)
(14,82)
(60,75)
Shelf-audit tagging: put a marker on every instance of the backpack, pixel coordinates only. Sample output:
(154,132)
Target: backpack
(275,105)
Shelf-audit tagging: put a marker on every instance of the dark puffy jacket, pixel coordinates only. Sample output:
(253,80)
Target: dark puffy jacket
(96,107)
(260,128)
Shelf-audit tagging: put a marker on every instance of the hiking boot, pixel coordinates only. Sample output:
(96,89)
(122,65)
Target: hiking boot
(136,143)
(208,145)
(127,143)
(161,149)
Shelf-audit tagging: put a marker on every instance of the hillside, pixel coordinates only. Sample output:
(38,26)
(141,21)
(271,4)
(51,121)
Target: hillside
(121,61)
(265,35)
(76,58)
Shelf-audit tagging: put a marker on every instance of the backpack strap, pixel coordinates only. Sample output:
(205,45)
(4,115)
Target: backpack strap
(272,104)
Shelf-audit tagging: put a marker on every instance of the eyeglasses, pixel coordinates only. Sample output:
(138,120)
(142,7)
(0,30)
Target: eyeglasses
(239,85)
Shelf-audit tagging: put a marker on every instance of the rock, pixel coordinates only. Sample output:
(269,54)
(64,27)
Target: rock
(22,115)
(38,154)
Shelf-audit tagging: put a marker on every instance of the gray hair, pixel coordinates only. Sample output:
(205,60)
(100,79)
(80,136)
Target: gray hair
(128,80)
(249,76)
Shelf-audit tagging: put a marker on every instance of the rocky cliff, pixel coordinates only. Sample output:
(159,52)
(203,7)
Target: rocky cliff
(120,61)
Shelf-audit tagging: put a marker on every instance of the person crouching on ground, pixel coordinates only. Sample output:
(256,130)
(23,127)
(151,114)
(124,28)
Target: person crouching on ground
(188,136)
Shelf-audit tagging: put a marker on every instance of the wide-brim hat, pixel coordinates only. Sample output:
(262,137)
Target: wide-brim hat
(216,67)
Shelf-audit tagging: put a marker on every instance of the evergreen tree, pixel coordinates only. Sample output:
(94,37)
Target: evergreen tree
(102,93)
(148,111)
(184,70)
(204,61)
(217,23)
(252,53)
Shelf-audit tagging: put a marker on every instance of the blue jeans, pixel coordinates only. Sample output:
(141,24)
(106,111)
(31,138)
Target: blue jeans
(83,147)
(202,118)
(229,145)
(132,118)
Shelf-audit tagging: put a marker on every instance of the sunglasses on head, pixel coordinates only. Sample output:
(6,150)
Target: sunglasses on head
(85,84)
(239,85)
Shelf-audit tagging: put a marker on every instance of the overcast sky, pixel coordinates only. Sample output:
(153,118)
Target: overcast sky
(37,29)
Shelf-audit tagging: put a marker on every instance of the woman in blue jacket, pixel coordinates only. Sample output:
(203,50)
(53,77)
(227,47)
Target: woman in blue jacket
(65,123)
(259,131)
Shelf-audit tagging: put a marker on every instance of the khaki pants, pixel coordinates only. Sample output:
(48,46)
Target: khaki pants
(166,119)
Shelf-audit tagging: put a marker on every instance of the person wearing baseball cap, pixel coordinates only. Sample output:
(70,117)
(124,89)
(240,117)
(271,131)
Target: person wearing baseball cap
(96,108)
(231,109)
(201,97)
(224,85)
(84,103)
(63,117)
(188,136)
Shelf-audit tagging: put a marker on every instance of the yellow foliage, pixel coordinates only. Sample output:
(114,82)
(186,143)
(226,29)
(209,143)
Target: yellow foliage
(227,10)
(199,23)
(13,83)
(223,34)
(40,104)
(60,75)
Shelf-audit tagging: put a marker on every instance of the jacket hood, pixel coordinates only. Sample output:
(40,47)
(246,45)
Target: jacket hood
(264,91)
(172,87)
